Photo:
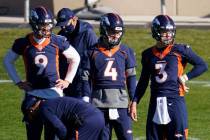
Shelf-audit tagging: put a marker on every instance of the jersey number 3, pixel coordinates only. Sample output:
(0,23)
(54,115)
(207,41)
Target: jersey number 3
(161,73)
(109,71)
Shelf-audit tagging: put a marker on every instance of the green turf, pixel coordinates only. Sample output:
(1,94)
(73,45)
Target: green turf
(11,127)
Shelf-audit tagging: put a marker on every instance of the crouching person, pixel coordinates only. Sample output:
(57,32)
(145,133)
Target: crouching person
(72,119)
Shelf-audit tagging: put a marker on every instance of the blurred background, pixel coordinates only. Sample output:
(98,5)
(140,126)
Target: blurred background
(134,12)
(123,7)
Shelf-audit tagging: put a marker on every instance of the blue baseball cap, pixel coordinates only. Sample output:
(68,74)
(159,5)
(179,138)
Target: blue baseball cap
(63,16)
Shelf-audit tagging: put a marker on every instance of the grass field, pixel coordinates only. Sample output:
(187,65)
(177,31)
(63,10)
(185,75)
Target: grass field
(198,100)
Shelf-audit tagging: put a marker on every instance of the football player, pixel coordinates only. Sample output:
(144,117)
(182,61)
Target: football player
(110,66)
(82,37)
(70,118)
(163,64)
(40,51)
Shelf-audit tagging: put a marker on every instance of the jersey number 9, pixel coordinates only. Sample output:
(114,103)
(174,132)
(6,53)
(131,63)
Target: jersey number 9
(41,62)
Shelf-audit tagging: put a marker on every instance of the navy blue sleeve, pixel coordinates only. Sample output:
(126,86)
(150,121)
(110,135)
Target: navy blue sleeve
(86,88)
(131,59)
(86,81)
(50,119)
(131,78)
(19,46)
(131,85)
(199,66)
(144,79)
(61,42)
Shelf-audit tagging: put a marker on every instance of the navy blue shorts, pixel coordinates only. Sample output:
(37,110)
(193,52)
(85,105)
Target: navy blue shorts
(174,130)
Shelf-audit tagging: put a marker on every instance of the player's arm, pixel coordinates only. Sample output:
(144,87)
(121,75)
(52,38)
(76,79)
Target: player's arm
(142,85)
(51,119)
(140,88)
(73,58)
(131,73)
(86,85)
(131,81)
(199,66)
(8,61)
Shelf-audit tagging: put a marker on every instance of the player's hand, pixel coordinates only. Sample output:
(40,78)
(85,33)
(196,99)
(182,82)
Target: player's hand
(133,111)
(62,84)
(185,88)
(24,85)
(182,80)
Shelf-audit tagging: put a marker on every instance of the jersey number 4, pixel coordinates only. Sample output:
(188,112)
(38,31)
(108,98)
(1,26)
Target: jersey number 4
(110,72)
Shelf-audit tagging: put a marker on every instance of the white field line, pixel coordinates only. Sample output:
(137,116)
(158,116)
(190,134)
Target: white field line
(199,82)
(5,81)
(202,83)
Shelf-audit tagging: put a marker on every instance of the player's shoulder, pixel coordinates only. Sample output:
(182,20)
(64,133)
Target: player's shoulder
(124,47)
(147,51)
(181,46)
(128,52)
(58,39)
(20,44)
(22,41)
